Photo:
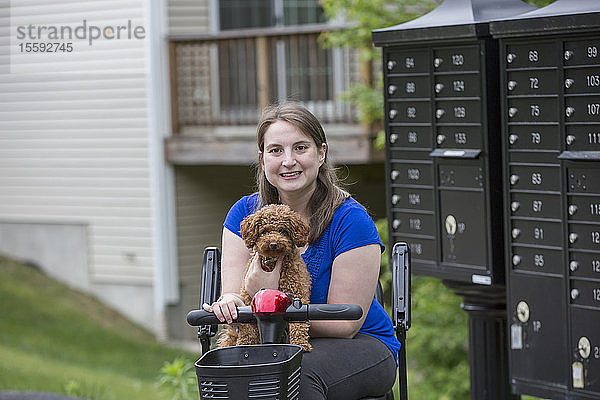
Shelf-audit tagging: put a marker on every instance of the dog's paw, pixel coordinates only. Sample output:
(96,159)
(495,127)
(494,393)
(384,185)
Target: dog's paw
(306,346)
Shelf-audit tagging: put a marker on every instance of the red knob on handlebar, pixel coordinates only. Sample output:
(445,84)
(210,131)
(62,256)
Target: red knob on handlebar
(270,302)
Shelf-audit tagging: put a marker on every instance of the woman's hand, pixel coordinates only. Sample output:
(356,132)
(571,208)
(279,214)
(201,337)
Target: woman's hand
(225,307)
(256,278)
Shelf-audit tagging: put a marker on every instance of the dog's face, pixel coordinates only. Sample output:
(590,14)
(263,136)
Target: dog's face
(274,230)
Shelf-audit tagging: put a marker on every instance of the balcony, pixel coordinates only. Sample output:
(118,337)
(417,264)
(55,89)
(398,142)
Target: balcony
(219,84)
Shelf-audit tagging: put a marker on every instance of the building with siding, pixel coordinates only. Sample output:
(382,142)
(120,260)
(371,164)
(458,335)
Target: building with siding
(120,158)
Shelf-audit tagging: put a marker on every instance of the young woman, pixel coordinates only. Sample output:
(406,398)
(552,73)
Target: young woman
(350,359)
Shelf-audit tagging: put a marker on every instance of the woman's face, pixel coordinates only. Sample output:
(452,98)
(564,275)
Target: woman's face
(291,159)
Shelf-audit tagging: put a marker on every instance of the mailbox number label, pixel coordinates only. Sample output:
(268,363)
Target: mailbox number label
(596,237)
(596,266)
(595,208)
(537,206)
(460,138)
(459,86)
(592,52)
(538,233)
(413,137)
(411,112)
(596,352)
(414,199)
(458,59)
(414,174)
(536,138)
(415,224)
(409,62)
(533,56)
(535,110)
(536,178)
(416,248)
(593,80)
(538,260)
(460,112)
(594,137)
(410,87)
(593,109)
(534,83)
(596,294)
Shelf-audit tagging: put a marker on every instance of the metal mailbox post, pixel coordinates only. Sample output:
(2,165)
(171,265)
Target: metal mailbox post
(550,89)
(443,165)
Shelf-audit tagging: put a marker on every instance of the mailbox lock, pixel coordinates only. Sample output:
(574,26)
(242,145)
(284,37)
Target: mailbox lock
(439,113)
(439,87)
(441,139)
(395,199)
(512,139)
(574,294)
(569,111)
(515,233)
(572,209)
(584,346)
(514,179)
(512,85)
(437,62)
(573,237)
(391,65)
(568,55)
(394,174)
(569,83)
(523,311)
(570,139)
(516,260)
(396,224)
(573,265)
(512,111)
(511,57)
(393,138)
(393,113)
(514,206)
(392,89)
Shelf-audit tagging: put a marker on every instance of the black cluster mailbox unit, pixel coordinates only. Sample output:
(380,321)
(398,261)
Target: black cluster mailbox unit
(444,165)
(493,178)
(441,75)
(550,80)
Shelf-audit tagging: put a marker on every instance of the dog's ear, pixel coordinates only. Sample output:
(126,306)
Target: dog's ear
(299,230)
(249,230)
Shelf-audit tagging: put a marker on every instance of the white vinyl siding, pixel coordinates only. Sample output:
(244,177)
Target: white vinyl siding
(189,16)
(74,140)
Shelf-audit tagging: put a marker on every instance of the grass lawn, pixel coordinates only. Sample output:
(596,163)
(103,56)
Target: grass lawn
(54,339)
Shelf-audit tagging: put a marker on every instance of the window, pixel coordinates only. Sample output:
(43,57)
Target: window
(244,14)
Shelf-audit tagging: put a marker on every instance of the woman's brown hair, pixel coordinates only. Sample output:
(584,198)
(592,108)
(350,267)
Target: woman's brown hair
(328,195)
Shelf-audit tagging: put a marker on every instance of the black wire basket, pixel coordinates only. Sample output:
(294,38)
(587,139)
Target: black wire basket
(250,372)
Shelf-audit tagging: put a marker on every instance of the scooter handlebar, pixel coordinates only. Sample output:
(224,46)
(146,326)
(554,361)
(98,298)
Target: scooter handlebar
(293,313)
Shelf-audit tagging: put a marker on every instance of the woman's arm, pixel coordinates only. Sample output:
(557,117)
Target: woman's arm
(234,257)
(354,276)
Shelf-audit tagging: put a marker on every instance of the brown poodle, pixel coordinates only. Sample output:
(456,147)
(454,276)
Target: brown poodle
(275,231)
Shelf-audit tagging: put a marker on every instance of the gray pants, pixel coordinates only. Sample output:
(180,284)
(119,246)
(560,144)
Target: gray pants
(347,369)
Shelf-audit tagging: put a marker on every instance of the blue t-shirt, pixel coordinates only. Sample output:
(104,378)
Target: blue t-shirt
(350,228)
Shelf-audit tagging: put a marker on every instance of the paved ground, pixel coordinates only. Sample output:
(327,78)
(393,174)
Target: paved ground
(10,395)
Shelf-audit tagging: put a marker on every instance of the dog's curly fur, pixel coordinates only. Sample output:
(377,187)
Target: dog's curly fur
(275,231)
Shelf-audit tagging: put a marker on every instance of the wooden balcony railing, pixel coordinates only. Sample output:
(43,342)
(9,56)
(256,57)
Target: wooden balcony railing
(226,79)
